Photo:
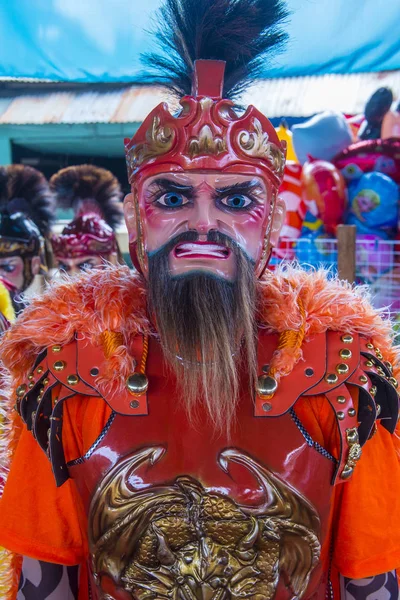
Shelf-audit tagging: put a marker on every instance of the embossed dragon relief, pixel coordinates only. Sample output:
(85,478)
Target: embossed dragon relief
(180,541)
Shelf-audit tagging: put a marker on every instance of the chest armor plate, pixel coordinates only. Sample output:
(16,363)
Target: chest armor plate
(175,511)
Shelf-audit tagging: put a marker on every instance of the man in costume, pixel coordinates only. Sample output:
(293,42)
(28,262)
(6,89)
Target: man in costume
(205,428)
(89,239)
(26,215)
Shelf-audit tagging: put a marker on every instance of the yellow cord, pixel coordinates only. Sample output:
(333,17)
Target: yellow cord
(290,338)
(111,340)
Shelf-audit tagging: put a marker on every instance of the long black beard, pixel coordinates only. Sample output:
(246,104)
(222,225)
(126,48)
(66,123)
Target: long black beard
(207,329)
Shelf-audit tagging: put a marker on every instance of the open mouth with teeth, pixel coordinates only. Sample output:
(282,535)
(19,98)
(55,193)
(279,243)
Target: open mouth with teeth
(201,250)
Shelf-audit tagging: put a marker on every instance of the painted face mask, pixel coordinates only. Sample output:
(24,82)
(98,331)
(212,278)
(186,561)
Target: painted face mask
(205,181)
(89,239)
(26,214)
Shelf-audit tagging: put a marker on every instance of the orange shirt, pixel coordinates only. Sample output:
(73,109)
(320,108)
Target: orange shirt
(38,519)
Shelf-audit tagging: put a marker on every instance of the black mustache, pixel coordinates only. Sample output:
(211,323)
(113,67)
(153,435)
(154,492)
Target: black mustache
(193,236)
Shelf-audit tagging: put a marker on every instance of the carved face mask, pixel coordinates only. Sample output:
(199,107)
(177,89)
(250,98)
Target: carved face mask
(237,206)
(206,169)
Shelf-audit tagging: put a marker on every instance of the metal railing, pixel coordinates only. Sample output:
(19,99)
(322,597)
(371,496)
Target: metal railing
(377,264)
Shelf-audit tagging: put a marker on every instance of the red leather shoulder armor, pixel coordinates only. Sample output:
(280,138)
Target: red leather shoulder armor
(79,368)
(333,363)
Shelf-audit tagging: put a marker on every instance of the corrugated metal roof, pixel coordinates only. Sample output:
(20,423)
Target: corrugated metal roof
(290,97)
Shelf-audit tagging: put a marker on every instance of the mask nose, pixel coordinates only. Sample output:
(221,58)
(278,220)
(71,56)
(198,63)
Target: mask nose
(204,217)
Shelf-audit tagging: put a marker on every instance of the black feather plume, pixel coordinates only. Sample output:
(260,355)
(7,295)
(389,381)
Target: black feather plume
(26,190)
(75,186)
(240,32)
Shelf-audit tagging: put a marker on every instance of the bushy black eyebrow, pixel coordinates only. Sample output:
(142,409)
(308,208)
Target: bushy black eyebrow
(164,185)
(245,187)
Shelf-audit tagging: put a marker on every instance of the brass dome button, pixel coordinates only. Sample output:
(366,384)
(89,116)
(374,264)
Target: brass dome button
(72,379)
(373,390)
(21,390)
(345,353)
(266,385)
(340,415)
(341,399)
(363,379)
(347,338)
(342,368)
(39,370)
(351,412)
(394,382)
(137,383)
(57,348)
(370,346)
(59,365)
(331,378)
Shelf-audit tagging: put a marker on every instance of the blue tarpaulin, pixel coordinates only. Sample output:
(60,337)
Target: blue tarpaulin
(101,40)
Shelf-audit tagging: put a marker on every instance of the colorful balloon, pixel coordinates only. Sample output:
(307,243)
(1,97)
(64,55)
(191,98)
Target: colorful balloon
(324,192)
(372,155)
(391,124)
(291,193)
(285,135)
(323,136)
(375,109)
(373,205)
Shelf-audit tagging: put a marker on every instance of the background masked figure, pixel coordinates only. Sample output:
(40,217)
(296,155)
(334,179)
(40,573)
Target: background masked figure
(215,430)
(26,214)
(89,239)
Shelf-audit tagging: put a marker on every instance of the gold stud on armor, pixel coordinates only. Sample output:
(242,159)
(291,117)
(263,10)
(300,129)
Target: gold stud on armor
(341,399)
(369,363)
(31,385)
(266,385)
(56,349)
(389,366)
(30,376)
(72,379)
(345,353)
(331,378)
(59,365)
(137,383)
(363,379)
(40,370)
(370,346)
(340,415)
(342,368)
(351,412)
(373,390)
(347,338)
(394,382)
(21,390)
